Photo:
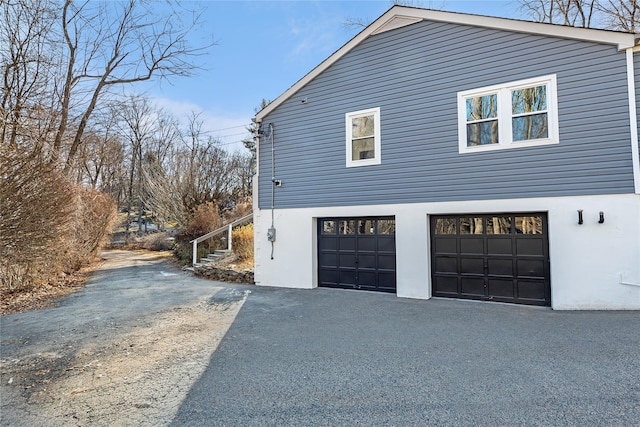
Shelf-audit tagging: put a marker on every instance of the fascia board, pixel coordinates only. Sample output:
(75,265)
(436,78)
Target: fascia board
(622,40)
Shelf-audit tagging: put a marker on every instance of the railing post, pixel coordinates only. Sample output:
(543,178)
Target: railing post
(195,252)
(230,245)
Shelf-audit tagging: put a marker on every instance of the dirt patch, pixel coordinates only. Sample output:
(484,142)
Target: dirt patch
(137,377)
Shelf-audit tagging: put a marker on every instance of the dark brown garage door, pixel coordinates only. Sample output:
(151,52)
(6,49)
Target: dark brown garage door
(500,257)
(357,253)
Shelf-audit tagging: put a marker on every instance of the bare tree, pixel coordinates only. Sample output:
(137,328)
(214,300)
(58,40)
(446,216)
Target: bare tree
(621,14)
(136,125)
(26,58)
(116,43)
(610,14)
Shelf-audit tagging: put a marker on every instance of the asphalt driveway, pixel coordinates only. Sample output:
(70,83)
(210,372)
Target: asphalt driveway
(123,351)
(145,344)
(342,358)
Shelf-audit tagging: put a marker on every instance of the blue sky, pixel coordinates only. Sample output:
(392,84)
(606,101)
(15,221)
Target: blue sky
(264,47)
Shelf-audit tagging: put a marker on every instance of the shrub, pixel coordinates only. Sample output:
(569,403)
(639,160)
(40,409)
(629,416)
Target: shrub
(204,220)
(157,242)
(36,206)
(47,225)
(243,242)
(94,217)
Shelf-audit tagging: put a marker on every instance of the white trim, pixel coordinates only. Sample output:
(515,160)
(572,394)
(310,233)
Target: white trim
(396,22)
(633,121)
(376,137)
(621,40)
(504,115)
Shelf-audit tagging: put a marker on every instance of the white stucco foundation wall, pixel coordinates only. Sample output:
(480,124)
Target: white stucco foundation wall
(587,261)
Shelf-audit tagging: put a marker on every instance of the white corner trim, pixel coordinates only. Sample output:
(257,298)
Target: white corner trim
(621,40)
(633,121)
(396,22)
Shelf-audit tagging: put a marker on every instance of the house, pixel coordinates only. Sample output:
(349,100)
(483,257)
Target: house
(442,154)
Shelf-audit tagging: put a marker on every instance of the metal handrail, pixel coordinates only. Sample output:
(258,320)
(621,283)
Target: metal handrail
(228,228)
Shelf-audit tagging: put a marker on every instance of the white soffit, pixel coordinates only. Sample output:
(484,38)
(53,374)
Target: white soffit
(399,16)
(396,22)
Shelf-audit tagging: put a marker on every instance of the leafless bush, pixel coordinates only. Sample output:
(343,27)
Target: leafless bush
(47,225)
(36,205)
(94,217)
(204,220)
(241,209)
(157,242)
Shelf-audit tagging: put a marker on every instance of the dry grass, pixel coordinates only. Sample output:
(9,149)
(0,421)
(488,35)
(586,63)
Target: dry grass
(243,242)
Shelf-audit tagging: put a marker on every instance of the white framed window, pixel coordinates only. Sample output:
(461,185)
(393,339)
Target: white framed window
(363,137)
(511,115)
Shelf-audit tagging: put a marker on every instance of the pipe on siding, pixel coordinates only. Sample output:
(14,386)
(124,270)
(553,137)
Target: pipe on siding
(273,182)
(622,282)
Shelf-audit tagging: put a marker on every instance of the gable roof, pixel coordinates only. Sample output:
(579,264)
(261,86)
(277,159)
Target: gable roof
(400,16)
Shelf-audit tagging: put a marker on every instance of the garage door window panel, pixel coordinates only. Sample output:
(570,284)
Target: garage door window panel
(328,227)
(499,225)
(528,224)
(347,227)
(471,225)
(446,226)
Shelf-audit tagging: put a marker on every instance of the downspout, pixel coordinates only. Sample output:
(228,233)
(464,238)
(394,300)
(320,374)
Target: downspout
(272,230)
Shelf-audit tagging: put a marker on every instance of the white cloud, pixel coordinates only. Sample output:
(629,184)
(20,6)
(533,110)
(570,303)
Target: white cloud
(230,129)
(314,36)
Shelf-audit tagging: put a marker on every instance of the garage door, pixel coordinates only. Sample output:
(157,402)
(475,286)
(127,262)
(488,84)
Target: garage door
(501,257)
(357,253)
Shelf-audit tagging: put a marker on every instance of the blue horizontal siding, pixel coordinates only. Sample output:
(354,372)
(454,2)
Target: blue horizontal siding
(413,74)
